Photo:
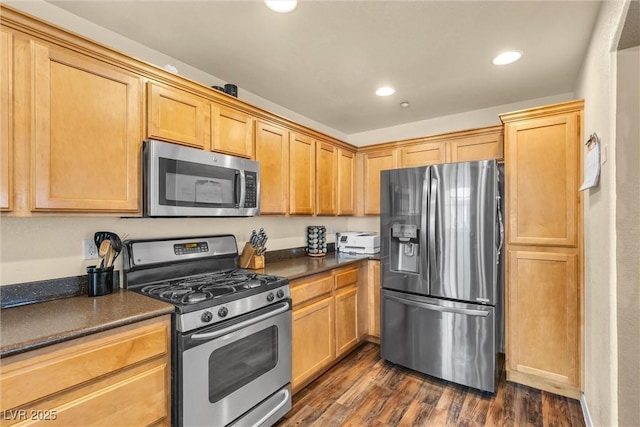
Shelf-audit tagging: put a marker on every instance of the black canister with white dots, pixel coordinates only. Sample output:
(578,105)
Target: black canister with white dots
(316,240)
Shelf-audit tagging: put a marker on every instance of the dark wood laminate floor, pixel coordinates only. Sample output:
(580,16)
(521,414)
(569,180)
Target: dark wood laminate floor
(364,390)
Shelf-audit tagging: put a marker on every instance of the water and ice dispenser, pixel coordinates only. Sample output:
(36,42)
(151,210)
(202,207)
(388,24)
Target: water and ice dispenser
(405,248)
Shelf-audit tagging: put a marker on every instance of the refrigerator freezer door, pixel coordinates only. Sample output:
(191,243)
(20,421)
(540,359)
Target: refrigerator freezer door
(462,216)
(445,339)
(403,229)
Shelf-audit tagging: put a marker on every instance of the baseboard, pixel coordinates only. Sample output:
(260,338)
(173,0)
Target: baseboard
(585,411)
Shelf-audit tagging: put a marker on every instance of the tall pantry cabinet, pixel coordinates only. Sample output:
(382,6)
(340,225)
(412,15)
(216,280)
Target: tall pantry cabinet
(543,301)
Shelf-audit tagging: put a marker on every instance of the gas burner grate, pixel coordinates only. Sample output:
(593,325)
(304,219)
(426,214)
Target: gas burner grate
(207,286)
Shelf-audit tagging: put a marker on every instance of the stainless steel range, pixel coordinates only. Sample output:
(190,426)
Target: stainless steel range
(232,329)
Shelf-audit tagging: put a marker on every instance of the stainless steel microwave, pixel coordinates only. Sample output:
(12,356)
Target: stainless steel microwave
(183,181)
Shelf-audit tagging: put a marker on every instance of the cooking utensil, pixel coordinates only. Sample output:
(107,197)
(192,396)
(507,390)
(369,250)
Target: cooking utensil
(110,254)
(100,236)
(116,245)
(103,251)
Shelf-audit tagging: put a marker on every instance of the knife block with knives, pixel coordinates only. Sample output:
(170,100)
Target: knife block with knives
(252,256)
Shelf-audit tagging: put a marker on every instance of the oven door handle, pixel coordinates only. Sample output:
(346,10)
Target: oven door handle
(285,399)
(233,328)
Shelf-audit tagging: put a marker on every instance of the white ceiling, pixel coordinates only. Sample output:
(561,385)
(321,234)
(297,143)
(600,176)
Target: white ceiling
(325,59)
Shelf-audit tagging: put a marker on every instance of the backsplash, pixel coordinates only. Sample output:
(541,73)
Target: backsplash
(45,248)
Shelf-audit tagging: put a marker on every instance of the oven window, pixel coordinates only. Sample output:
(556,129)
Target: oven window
(196,185)
(240,362)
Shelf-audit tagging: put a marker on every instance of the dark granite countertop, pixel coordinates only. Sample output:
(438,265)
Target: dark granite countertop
(37,325)
(296,268)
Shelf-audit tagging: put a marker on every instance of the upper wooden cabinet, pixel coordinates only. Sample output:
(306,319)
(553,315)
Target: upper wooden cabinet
(346,182)
(232,131)
(375,162)
(272,152)
(87,133)
(6,109)
(177,116)
(326,179)
(542,173)
(463,146)
(302,170)
(428,153)
(484,146)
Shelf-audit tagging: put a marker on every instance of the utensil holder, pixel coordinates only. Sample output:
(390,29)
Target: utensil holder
(99,281)
(249,259)
(316,240)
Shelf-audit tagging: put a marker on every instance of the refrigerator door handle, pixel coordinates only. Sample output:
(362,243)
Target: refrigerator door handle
(435,307)
(501,225)
(423,226)
(433,254)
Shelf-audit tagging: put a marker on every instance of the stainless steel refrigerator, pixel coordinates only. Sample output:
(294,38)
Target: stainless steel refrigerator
(441,237)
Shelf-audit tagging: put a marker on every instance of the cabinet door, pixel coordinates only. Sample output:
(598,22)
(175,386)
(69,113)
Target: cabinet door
(346,319)
(542,169)
(485,147)
(313,345)
(272,152)
(6,160)
(177,116)
(543,313)
(429,153)
(87,134)
(346,182)
(232,132)
(374,162)
(374,299)
(302,171)
(326,178)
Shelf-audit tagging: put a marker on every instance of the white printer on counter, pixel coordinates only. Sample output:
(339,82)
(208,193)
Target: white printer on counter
(358,242)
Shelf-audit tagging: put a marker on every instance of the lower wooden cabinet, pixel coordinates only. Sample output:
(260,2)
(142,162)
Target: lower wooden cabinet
(327,313)
(543,328)
(346,303)
(374,299)
(313,346)
(116,377)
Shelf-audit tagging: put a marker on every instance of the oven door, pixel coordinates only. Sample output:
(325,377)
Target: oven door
(226,370)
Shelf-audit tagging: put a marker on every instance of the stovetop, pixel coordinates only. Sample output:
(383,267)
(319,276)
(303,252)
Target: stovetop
(200,276)
(214,287)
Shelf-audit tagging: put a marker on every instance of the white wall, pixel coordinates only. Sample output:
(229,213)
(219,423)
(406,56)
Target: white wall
(60,17)
(452,123)
(34,249)
(628,235)
(597,85)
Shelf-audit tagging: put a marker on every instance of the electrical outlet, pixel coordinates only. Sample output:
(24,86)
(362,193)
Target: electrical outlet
(89,249)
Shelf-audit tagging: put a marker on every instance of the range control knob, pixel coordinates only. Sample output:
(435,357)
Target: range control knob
(206,316)
(280,293)
(270,297)
(223,312)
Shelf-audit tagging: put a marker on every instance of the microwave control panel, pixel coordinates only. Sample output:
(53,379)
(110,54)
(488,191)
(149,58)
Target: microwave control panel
(251,186)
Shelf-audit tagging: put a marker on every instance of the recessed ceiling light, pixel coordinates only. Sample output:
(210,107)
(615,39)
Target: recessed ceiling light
(404,104)
(385,91)
(507,58)
(281,6)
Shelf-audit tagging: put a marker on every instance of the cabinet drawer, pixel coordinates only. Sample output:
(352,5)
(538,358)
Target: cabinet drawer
(35,375)
(309,289)
(346,277)
(124,399)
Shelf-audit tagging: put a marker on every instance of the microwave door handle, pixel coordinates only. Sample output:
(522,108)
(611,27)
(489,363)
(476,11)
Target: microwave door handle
(238,188)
